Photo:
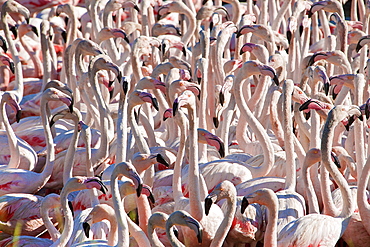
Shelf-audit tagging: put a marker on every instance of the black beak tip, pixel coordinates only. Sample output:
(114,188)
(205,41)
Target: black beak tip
(12,67)
(137,8)
(183,49)
(155,104)
(13,29)
(307,115)
(64,36)
(216,123)
(111,93)
(86,228)
(151,198)
(358,47)
(28,20)
(309,14)
(276,80)
(161,160)
(222,98)
(139,189)
(221,151)
(71,207)
(34,29)
(326,88)
(289,36)
(244,205)
(207,205)
(51,123)
(175,107)
(334,96)
(18,116)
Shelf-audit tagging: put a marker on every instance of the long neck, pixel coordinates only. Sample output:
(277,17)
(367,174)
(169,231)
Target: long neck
(270,239)
(176,184)
(68,221)
(12,139)
(310,192)
(50,156)
(362,202)
(140,141)
(326,146)
(257,129)
(72,26)
(44,212)
(104,116)
(46,63)
(225,225)
(290,181)
(121,128)
(18,87)
(191,28)
(172,238)
(196,209)
(202,106)
(69,158)
(123,233)
(153,238)
(35,60)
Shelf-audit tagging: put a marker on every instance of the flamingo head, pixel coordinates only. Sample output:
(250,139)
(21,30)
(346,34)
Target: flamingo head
(206,137)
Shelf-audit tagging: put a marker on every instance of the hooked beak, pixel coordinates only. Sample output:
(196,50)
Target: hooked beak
(305,105)
(210,199)
(18,116)
(161,160)
(34,29)
(244,205)
(103,188)
(86,228)
(175,107)
(4,45)
(12,67)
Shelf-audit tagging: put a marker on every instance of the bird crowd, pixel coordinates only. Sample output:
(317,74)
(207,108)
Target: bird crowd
(184,123)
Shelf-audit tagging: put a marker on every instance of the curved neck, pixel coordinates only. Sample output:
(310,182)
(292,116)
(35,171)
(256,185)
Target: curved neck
(153,238)
(270,239)
(68,221)
(326,146)
(225,225)
(50,156)
(123,233)
(35,60)
(142,145)
(362,201)
(18,87)
(313,204)
(104,115)
(256,127)
(12,138)
(172,238)
(191,27)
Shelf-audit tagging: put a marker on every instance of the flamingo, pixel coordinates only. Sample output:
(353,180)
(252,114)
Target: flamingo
(182,218)
(291,233)
(18,180)
(16,8)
